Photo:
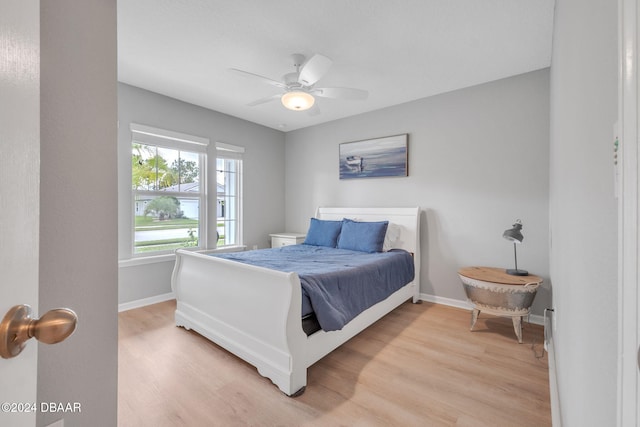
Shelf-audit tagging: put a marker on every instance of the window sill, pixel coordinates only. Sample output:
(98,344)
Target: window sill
(132,262)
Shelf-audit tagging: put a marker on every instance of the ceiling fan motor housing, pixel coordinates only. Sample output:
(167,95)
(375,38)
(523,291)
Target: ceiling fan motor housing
(291,80)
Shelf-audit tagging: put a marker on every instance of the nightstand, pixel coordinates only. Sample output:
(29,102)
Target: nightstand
(494,291)
(286,239)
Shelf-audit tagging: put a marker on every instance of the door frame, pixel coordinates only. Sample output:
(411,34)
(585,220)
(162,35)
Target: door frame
(628,411)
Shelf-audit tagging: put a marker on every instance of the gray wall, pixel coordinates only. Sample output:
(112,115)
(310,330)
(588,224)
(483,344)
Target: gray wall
(478,160)
(263,176)
(583,212)
(78,247)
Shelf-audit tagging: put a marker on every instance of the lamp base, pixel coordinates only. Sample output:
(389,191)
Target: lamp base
(516,272)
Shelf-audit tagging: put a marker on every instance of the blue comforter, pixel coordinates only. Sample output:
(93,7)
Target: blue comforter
(337,284)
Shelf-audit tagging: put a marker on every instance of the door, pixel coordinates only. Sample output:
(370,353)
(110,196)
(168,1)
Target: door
(58,108)
(19,195)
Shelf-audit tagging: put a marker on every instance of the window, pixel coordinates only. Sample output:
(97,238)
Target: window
(229,193)
(168,176)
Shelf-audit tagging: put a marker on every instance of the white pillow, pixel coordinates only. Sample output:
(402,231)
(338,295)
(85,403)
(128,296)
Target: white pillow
(393,233)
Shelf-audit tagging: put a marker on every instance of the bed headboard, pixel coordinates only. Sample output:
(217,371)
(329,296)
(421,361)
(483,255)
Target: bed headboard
(407,221)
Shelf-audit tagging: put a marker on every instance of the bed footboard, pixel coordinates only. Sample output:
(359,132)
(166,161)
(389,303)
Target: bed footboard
(250,311)
(255,312)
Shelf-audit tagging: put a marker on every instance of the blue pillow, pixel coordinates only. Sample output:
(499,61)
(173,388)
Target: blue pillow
(362,236)
(323,233)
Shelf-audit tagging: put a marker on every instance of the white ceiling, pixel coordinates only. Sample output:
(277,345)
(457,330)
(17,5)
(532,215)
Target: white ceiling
(397,50)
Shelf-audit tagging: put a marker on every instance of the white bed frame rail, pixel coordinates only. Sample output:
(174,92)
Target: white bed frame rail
(254,312)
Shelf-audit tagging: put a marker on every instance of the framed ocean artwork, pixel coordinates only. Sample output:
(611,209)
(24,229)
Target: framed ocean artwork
(374,158)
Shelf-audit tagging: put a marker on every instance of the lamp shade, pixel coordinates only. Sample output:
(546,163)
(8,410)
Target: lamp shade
(514,234)
(297,100)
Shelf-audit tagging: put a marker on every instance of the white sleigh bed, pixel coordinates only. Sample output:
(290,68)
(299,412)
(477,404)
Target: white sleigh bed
(255,312)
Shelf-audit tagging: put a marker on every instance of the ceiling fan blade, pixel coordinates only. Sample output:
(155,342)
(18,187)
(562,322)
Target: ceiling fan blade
(341,93)
(314,69)
(259,77)
(264,100)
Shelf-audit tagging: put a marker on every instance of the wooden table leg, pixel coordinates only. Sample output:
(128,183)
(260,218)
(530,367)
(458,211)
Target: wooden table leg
(517,326)
(474,318)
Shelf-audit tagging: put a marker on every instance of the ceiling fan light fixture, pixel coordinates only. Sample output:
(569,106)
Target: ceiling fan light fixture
(297,100)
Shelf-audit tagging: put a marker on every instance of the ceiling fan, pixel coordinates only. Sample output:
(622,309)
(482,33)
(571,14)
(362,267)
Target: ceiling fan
(299,86)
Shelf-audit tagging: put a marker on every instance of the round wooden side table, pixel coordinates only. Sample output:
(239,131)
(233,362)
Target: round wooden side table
(494,291)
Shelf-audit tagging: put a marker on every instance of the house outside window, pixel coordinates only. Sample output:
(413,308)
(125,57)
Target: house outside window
(168,190)
(229,194)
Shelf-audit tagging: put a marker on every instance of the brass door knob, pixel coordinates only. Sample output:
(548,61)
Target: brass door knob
(17,327)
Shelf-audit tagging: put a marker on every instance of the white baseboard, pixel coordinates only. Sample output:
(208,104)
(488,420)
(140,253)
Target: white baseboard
(145,301)
(554,394)
(556,419)
(466,305)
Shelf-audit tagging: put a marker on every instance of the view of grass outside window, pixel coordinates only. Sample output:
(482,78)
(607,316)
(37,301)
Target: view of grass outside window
(167,198)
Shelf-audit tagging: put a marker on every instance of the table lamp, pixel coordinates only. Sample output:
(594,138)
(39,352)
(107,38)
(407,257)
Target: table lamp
(515,235)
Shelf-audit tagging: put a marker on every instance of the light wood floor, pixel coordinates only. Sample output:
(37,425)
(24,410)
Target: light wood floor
(418,366)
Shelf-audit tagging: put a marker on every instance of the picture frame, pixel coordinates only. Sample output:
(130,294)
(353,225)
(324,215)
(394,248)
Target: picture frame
(375,158)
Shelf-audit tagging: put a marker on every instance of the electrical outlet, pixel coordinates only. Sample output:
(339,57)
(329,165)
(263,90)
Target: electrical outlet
(255,247)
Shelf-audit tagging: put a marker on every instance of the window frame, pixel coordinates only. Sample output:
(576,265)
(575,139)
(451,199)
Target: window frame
(232,152)
(177,141)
